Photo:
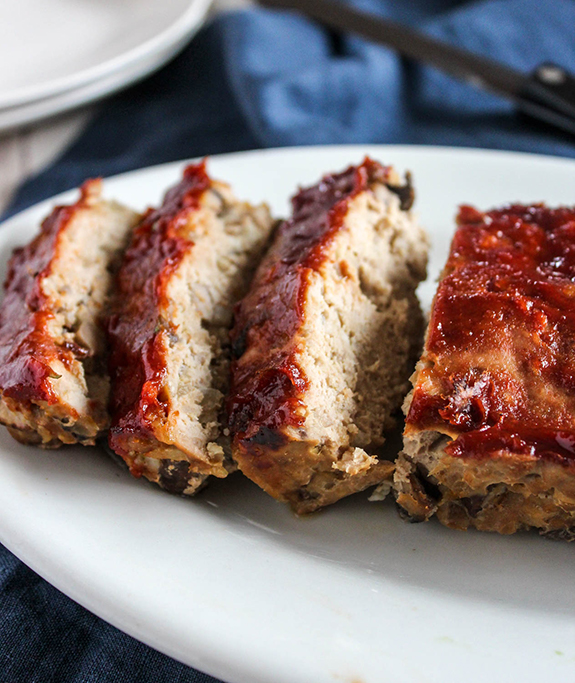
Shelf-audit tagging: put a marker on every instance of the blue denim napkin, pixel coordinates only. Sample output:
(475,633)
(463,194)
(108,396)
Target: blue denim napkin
(253,79)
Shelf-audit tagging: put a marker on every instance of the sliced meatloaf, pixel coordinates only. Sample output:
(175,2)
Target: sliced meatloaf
(326,339)
(490,431)
(53,381)
(188,263)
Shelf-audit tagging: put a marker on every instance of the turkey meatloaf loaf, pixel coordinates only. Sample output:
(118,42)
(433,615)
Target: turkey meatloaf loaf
(53,380)
(490,431)
(326,339)
(188,263)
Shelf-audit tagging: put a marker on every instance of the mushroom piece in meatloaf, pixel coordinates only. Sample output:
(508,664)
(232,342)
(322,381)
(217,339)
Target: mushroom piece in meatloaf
(490,430)
(189,262)
(326,339)
(53,381)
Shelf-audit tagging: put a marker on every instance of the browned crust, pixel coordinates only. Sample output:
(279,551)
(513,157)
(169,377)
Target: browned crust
(30,405)
(309,472)
(505,493)
(266,404)
(174,476)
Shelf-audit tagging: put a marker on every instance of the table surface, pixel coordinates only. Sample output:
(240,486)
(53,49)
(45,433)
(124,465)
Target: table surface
(25,151)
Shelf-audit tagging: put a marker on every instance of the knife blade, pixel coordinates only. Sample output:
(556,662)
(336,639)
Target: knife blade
(547,93)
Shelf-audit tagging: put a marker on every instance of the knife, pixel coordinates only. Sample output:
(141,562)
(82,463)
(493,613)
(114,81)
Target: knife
(547,93)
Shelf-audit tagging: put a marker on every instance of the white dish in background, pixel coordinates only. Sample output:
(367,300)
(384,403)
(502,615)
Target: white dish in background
(24,114)
(231,582)
(53,47)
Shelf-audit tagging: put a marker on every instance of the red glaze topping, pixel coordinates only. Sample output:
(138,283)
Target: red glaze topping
(26,346)
(499,361)
(267,382)
(137,363)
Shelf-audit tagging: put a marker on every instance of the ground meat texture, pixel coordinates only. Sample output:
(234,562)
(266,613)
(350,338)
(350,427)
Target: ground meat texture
(326,339)
(490,430)
(188,263)
(53,380)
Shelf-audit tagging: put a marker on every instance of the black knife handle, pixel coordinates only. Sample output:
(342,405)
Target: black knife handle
(548,94)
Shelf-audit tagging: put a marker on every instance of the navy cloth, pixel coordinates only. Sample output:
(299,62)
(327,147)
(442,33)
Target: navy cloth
(254,79)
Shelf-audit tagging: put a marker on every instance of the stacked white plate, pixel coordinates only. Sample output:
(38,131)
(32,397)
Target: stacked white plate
(59,54)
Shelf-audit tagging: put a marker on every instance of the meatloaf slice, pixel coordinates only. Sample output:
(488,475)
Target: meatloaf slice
(53,381)
(490,431)
(326,339)
(188,263)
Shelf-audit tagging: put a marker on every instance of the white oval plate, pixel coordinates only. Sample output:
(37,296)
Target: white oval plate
(54,46)
(231,582)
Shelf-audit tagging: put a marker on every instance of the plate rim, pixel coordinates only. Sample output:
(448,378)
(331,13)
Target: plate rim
(360,148)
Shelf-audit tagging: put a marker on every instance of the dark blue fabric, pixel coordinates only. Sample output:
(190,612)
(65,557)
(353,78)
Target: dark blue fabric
(254,79)
(296,85)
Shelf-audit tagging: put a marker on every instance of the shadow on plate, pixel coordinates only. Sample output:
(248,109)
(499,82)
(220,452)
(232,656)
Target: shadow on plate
(360,538)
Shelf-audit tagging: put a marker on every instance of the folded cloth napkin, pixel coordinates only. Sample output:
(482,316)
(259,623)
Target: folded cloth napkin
(299,85)
(252,79)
